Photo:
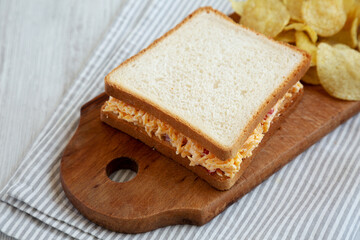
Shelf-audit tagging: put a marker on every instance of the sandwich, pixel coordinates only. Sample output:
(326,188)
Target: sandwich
(207,94)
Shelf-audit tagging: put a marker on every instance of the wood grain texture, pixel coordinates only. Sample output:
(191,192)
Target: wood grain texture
(164,193)
(43,47)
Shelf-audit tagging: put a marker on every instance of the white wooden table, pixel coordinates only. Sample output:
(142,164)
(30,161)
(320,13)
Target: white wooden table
(44,45)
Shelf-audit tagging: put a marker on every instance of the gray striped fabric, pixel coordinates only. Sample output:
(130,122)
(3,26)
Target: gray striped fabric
(316,196)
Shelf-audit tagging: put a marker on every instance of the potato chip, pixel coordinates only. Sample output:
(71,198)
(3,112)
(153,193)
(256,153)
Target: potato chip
(326,17)
(302,27)
(303,42)
(311,77)
(294,7)
(237,6)
(287,36)
(265,16)
(354,11)
(348,4)
(338,70)
(340,46)
(347,35)
(332,24)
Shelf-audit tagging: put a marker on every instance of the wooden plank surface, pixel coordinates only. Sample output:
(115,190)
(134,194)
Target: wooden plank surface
(43,47)
(164,193)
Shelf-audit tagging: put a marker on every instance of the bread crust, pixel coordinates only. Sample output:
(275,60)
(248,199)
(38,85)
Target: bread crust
(220,151)
(215,180)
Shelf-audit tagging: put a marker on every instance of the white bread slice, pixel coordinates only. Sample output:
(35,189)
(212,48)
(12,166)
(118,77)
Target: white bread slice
(210,78)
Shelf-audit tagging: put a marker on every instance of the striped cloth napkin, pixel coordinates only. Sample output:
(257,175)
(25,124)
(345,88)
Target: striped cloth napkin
(316,196)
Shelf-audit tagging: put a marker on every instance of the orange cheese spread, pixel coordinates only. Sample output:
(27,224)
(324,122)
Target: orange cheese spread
(186,147)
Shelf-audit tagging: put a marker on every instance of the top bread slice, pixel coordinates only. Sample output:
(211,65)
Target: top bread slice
(210,78)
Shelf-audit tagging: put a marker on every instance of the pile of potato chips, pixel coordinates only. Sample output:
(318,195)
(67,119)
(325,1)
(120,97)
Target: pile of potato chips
(327,29)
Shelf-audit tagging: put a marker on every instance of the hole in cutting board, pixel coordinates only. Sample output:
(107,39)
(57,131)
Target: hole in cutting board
(121,169)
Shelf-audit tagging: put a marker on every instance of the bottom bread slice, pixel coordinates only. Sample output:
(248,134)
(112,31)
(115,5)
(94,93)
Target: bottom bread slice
(164,147)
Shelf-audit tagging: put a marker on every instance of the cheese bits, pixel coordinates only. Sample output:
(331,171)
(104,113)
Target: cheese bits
(187,147)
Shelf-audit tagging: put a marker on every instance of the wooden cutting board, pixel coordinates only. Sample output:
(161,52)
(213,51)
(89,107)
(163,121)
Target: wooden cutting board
(163,192)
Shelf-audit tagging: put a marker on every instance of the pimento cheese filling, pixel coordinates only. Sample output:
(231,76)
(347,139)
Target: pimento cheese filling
(189,148)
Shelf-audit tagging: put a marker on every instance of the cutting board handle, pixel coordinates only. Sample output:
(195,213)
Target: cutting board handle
(153,198)
(121,163)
